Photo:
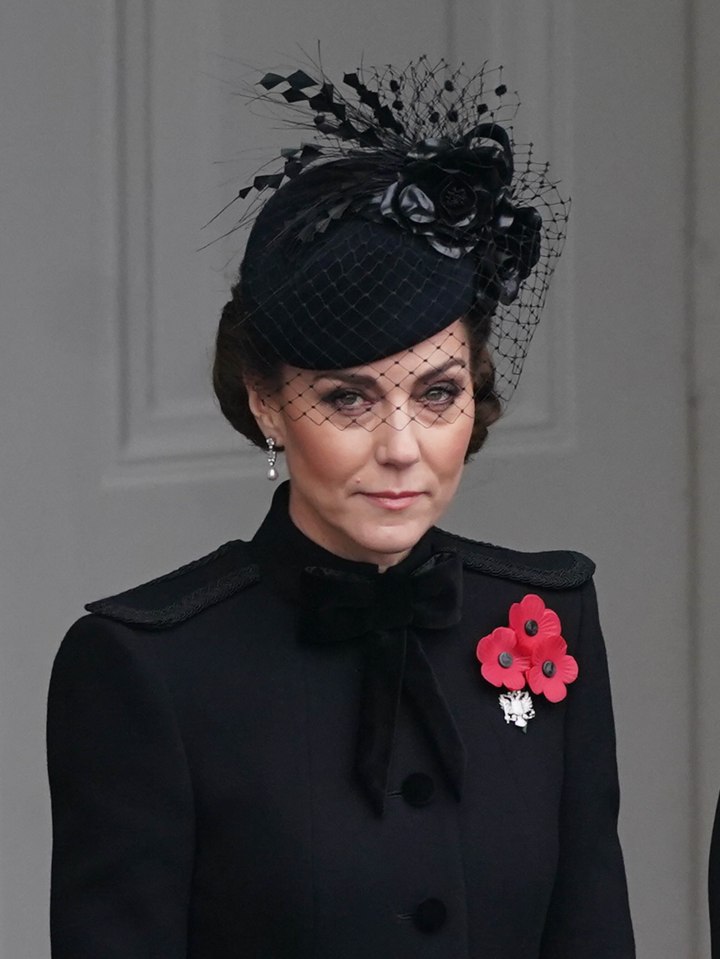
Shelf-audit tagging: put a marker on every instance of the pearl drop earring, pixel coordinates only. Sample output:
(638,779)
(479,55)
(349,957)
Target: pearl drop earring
(272,473)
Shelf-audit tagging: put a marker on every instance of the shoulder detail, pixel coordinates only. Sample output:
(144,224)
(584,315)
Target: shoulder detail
(185,592)
(555,569)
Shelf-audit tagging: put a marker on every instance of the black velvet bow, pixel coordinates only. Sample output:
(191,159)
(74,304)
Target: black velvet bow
(383,612)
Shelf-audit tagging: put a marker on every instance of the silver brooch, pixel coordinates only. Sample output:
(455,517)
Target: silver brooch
(517,707)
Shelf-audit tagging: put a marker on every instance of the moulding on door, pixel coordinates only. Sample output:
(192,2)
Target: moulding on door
(168,135)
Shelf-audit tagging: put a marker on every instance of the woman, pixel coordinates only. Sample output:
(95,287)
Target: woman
(714,885)
(356,735)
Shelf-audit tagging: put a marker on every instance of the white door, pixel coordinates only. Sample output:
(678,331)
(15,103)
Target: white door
(119,137)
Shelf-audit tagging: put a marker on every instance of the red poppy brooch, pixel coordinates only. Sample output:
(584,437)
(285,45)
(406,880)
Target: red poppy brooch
(528,651)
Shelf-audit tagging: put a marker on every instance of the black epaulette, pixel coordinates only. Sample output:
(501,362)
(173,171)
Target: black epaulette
(177,596)
(181,594)
(556,569)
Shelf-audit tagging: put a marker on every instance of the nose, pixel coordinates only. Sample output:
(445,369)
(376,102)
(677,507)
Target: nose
(396,440)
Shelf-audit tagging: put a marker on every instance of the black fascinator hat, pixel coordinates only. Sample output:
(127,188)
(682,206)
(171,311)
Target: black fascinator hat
(408,207)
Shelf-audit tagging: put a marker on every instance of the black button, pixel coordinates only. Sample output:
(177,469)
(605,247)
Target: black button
(417,789)
(430,915)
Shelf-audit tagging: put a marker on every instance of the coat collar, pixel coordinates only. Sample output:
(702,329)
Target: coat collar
(279,549)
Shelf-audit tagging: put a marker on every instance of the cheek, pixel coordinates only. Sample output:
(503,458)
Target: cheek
(323,451)
(448,449)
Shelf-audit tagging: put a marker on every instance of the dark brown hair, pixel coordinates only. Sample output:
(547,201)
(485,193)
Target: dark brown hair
(239,358)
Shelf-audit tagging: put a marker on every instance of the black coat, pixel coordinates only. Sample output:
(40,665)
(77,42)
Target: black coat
(205,804)
(714,886)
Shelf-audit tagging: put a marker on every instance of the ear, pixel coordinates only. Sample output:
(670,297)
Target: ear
(267,412)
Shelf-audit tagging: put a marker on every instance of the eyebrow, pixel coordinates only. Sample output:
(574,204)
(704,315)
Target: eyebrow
(366,381)
(443,368)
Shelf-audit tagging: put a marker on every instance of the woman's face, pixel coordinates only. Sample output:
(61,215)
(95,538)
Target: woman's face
(375,453)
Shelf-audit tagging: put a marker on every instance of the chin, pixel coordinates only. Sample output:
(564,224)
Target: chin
(393,538)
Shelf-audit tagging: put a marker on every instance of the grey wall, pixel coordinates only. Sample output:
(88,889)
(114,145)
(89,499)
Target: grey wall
(703,359)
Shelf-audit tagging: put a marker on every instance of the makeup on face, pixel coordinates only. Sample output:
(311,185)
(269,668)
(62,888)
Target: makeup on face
(375,453)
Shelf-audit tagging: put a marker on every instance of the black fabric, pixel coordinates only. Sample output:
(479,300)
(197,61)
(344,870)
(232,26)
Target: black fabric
(557,569)
(359,292)
(418,789)
(714,886)
(183,593)
(430,916)
(342,601)
(187,591)
(386,611)
(205,803)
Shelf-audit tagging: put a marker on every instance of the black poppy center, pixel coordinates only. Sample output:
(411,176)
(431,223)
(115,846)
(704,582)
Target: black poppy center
(549,668)
(505,659)
(531,627)
(456,198)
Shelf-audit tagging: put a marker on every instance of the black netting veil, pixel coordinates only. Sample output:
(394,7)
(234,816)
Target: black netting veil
(404,237)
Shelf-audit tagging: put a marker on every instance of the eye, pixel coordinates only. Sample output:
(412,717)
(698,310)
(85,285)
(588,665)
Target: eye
(441,394)
(347,401)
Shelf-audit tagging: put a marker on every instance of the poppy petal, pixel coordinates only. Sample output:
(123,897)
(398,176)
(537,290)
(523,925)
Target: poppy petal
(513,678)
(499,640)
(490,672)
(536,679)
(530,646)
(555,690)
(567,669)
(530,607)
(549,647)
(549,622)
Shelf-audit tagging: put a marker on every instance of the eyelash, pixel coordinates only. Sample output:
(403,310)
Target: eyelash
(451,391)
(342,400)
(346,400)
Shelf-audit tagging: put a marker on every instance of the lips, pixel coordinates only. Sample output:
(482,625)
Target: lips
(393,499)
